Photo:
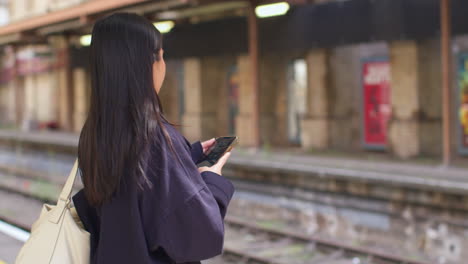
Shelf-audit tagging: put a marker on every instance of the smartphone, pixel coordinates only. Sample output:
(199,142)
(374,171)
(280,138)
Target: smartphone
(221,146)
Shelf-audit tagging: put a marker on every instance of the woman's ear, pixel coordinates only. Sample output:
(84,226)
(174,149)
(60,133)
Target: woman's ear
(159,71)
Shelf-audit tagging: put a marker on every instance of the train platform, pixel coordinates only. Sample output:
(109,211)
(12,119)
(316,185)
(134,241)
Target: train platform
(414,175)
(11,241)
(40,137)
(9,248)
(408,174)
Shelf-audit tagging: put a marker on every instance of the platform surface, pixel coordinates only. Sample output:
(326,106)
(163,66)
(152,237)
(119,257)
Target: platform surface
(452,179)
(9,248)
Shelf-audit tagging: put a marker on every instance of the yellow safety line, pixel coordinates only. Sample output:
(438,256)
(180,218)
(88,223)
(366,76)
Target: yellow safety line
(2,262)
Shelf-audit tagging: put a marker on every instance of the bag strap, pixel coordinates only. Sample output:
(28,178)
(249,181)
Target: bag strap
(67,189)
(65,195)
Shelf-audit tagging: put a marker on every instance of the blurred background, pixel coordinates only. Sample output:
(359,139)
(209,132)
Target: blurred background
(352,118)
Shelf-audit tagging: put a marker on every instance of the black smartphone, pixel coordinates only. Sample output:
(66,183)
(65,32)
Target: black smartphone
(221,146)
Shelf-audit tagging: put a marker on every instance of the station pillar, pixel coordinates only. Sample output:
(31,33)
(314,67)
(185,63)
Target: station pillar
(64,81)
(244,120)
(404,123)
(192,117)
(170,94)
(18,87)
(315,125)
(31,95)
(80,94)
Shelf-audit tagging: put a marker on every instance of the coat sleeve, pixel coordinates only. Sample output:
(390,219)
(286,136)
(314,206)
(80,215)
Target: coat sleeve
(196,151)
(221,189)
(183,213)
(195,231)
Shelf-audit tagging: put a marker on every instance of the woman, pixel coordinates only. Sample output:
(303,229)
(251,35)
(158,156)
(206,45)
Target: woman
(144,199)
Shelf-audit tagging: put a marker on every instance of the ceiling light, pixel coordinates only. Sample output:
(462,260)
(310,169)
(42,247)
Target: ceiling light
(85,40)
(276,9)
(164,26)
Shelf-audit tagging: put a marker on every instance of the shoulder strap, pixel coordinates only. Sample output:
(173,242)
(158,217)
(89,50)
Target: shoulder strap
(67,189)
(64,198)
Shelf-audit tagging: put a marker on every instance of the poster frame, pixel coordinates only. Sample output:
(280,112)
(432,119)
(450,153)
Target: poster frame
(369,146)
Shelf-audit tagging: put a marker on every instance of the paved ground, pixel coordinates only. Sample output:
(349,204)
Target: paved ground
(9,248)
(58,138)
(19,209)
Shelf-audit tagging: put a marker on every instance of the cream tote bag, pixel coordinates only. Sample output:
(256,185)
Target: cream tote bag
(58,236)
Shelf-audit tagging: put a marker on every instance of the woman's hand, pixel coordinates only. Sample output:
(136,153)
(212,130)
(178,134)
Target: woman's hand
(208,144)
(217,168)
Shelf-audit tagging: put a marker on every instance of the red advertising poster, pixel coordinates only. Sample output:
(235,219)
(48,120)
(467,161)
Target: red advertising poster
(377,109)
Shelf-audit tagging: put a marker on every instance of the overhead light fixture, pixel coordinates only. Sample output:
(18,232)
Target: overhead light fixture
(164,26)
(85,40)
(269,10)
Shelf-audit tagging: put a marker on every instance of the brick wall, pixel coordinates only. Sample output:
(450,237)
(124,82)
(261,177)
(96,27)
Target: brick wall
(272,97)
(430,117)
(206,96)
(404,126)
(345,95)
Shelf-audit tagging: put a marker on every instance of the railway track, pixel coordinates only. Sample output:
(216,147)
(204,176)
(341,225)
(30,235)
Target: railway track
(261,244)
(246,241)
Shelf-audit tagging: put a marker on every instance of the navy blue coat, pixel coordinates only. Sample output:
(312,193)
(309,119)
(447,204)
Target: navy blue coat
(178,220)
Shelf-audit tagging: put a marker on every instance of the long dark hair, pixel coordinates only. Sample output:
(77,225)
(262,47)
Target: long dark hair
(125,114)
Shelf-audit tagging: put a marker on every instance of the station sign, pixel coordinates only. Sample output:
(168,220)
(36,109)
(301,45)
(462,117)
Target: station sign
(463,103)
(376,102)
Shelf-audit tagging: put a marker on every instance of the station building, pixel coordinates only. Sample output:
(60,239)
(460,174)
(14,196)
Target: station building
(351,76)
